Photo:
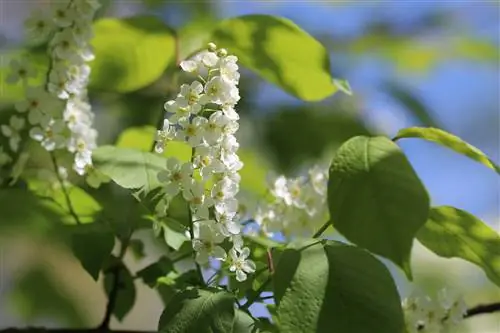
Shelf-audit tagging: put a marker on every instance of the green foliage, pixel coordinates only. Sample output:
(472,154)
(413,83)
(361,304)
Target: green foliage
(37,294)
(92,245)
(454,233)
(197,310)
(131,53)
(335,288)
(125,289)
(289,131)
(280,52)
(376,200)
(129,168)
(151,273)
(448,140)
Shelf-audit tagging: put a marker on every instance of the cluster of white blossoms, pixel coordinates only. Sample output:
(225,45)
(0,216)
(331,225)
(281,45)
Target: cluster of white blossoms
(57,111)
(426,315)
(203,115)
(297,206)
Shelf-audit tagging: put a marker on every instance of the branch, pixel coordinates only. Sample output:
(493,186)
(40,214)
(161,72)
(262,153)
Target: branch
(483,309)
(67,330)
(64,189)
(322,229)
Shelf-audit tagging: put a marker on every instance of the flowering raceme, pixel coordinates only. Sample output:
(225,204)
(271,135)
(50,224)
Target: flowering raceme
(297,206)
(425,315)
(203,115)
(58,111)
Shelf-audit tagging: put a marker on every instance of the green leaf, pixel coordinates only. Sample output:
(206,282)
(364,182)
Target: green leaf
(92,245)
(174,234)
(129,168)
(125,297)
(279,51)
(130,53)
(197,310)
(335,288)
(137,248)
(454,233)
(448,140)
(151,273)
(242,323)
(376,199)
(411,103)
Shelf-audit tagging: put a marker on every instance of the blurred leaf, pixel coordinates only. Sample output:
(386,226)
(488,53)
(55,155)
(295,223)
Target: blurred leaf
(376,199)
(280,51)
(454,233)
(130,53)
(125,297)
(129,168)
(194,35)
(475,49)
(174,234)
(92,245)
(242,323)
(36,295)
(151,273)
(448,140)
(136,246)
(198,311)
(412,104)
(295,135)
(315,281)
(86,207)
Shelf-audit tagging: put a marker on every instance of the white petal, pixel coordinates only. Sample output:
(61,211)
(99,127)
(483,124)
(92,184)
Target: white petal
(202,257)
(37,134)
(240,275)
(219,253)
(172,189)
(248,266)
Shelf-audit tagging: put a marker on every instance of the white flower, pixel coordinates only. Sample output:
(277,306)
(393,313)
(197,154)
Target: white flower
(49,134)
(200,63)
(229,69)
(4,157)
(39,27)
(59,83)
(214,126)
(195,195)
(190,96)
(12,131)
(193,131)
(218,91)
(455,308)
(175,176)
(224,191)
(230,113)
(205,159)
(180,109)
(319,179)
(166,134)
(64,15)
(240,264)
(20,70)
(37,103)
(225,213)
(207,236)
(64,44)
(82,32)
(87,8)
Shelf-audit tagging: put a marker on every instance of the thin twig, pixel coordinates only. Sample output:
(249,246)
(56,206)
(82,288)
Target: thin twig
(64,189)
(251,299)
(483,309)
(322,229)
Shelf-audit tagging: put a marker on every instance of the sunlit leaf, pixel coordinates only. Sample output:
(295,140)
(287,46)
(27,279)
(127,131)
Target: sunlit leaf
(279,51)
(448,140)
(454,233)
(130,53)
(376,199)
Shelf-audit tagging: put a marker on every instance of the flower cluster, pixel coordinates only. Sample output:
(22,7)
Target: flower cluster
(297,206)
(203,115)
(425,315)
(58,111)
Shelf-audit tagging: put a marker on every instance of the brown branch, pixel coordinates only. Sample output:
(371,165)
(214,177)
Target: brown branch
(483,309)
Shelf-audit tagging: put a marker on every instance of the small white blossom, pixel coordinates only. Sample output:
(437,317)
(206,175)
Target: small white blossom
(64,44)
(49,134)
(193,131)
(175,176)
(20,70)
(12,131)
(63,15)
(241,264)
(207,236)
(166,134)
(38,27)
(198,200)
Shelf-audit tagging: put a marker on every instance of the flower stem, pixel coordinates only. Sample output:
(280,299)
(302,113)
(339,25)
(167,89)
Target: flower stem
(322,229)
(63,188)
(191,232)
